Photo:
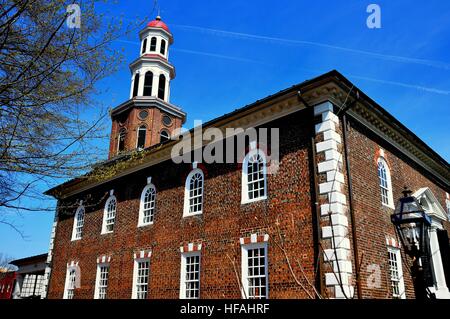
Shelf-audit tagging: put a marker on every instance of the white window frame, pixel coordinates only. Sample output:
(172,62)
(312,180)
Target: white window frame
(134,294)
(183,280)
(388,188)
(97,281)
(142,206)
(76,220)
(105,215)
(400,281)
(70,282)
(244,267)
(244,195)
(186,210)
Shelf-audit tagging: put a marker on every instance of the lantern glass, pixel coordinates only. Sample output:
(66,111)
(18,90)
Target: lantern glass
(411,221)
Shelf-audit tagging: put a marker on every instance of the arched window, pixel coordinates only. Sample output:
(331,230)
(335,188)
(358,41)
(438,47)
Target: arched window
(78,223)
(163,47)
(121,141)
(109,215)
(148,83)
(141,133)
(147,205)
(384,177)
(164,136)
(136,85)
(162,87)
(254,177)
(193,194)
(153,44)
(144,46)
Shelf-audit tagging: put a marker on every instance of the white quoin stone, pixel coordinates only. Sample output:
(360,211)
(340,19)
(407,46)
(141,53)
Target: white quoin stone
(325,126)
(326,145)
(327,166)
(334,175)
(345,266)
(332,135)
(336,197)
(323,107)
(339,231)
(335,254)
(334,208)
(346,293)
(332,279)
(329,187)
(330,116)
(341,220)
(333,155)
(343,243)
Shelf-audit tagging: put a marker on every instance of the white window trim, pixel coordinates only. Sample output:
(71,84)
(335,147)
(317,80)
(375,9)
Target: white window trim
(183,272)
(389,182)
(186,212)
(401,283)
(135,275)
(244,181)
(141,206)
(97,279)
(244,267)
(66,283)
(105,212)
(137,134)
(75,222)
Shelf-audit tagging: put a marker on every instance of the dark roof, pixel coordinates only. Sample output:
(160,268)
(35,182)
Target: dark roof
(30,260)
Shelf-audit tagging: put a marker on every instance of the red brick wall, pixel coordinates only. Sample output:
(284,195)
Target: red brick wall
(223,222)
(372,219)
(131,122)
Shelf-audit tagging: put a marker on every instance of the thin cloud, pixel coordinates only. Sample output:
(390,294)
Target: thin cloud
(240,35)
(221,56)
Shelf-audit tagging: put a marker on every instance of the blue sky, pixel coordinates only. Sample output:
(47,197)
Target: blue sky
(231,53)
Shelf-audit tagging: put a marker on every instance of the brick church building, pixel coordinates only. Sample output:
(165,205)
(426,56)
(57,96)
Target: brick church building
(142,226)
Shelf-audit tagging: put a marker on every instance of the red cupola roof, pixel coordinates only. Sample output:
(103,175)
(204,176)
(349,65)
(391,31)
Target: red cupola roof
(157,23)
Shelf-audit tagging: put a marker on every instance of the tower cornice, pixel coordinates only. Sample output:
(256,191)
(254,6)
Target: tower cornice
(155,58)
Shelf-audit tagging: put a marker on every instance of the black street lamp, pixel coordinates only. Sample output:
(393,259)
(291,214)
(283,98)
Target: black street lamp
(412,223)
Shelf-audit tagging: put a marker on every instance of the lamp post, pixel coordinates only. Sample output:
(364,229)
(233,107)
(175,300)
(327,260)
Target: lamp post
(411,223)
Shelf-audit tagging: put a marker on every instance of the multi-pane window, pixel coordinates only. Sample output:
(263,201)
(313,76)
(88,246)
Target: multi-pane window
(254,177)
(102,281)
(70,288)
(385,182)
(147,206)
(142,268)
(194,193)
(121,141)
(109,215)
(78,223)
(255,274)
(32,285)
(396,273)
(190,276)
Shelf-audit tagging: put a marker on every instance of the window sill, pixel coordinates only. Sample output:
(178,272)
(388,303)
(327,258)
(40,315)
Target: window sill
(192,214)
(76,239)
(146,224)
(249,201)
(106,232)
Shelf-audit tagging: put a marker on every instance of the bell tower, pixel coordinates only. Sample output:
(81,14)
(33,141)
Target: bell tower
(148,117)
